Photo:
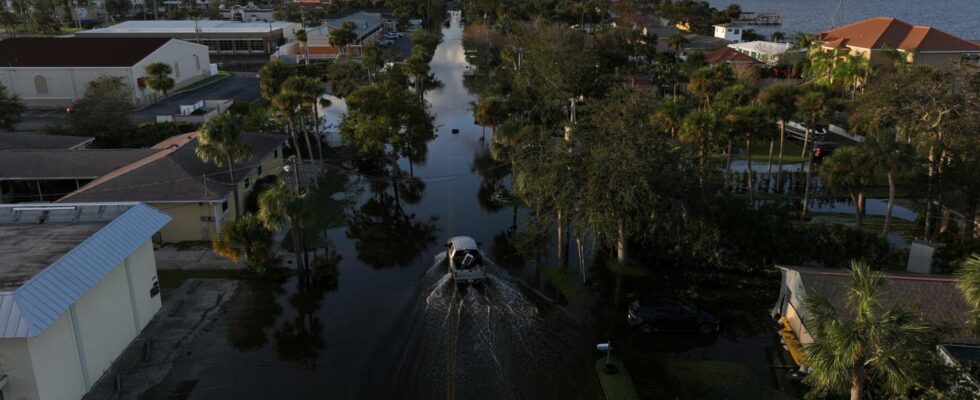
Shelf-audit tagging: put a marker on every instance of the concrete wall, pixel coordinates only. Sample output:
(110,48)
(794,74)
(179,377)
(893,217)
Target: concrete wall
(95,330)
(68,84)
(64,84)
(15,362)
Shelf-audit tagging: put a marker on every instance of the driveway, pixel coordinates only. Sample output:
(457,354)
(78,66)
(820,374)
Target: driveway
(41,119)
(239,86)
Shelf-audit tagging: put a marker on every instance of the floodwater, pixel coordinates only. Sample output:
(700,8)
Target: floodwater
(392,326)
(954,16)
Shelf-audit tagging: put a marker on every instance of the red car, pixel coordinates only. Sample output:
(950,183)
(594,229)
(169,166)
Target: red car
(823,149)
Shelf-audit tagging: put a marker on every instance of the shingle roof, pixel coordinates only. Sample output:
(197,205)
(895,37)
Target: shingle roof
(176,174)
(38,302)
(728,55)
(76,51)
(882,32)
(935,296)
(40,141)
(66,164)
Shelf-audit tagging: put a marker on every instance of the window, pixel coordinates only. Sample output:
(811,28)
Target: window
(241,45)
(207,218)
(225,45)
(224,206)
(736,31)
(248,182)
(212,45)
(197,63)
(258,45)
(260,171)
(176,70)
(275,154)
(40,84)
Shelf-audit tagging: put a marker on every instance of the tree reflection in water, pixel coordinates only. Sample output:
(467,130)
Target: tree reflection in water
(386,235)
(300,340)
(259,311)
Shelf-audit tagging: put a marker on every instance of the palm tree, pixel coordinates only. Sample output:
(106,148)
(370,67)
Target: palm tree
(781,101)
(850,169)
(866,341)
(676,41)
(751,120)
(700,127)
(158,79)
(344,36)
(302,38)
(309,91)
(279,205)
(811,106)
(669,115)
(271,77)
(220,142)
(286,105)
(968,281)
(246,238)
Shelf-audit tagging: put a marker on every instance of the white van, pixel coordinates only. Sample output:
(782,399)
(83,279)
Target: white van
(466,261)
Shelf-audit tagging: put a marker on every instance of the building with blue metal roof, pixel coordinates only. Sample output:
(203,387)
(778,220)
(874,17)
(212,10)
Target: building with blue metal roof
(77,284)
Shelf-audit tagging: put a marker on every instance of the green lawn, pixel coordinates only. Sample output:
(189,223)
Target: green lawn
(870,223)
(618,386)
(171,279)
(760,152)
(204,82)
(569,283)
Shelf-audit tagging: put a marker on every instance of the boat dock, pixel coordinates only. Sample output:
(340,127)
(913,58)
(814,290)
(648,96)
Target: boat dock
(766,18)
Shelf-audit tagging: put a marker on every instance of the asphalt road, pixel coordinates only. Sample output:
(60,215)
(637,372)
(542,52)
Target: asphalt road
(239,86)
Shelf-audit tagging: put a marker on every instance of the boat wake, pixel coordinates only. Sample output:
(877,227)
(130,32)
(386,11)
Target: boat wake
(485,342)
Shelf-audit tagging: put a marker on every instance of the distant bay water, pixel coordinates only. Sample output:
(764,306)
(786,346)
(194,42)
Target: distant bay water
(959,17)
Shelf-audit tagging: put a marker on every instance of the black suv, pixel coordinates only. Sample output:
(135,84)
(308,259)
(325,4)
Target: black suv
(670,315)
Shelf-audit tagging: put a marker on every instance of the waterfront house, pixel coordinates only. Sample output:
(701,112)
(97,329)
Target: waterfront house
(872,37)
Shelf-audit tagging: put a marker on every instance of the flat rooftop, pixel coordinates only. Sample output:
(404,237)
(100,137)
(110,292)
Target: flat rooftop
(32,237)
(189,26)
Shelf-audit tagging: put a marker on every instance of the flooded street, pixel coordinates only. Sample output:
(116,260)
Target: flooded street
(392,325)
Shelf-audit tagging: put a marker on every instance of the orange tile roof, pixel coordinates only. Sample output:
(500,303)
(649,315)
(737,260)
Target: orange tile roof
(882,32)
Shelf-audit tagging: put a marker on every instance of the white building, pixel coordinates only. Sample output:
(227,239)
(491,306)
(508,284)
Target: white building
(247,13)
(369,28)
(767,52)
(729,32)
(56,71)
(78,285)
(225,38)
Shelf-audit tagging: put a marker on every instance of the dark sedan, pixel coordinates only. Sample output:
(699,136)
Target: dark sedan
(670,315)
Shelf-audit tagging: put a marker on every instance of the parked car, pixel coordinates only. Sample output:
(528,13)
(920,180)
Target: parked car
(823,149)
(384,43)
(466,261)
(670,315)
(797,130)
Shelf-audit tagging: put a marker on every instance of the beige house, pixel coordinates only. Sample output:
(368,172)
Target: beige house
(936,296)
(198,195)
(56,71)
(79,284)
(168,176)
(872,37)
